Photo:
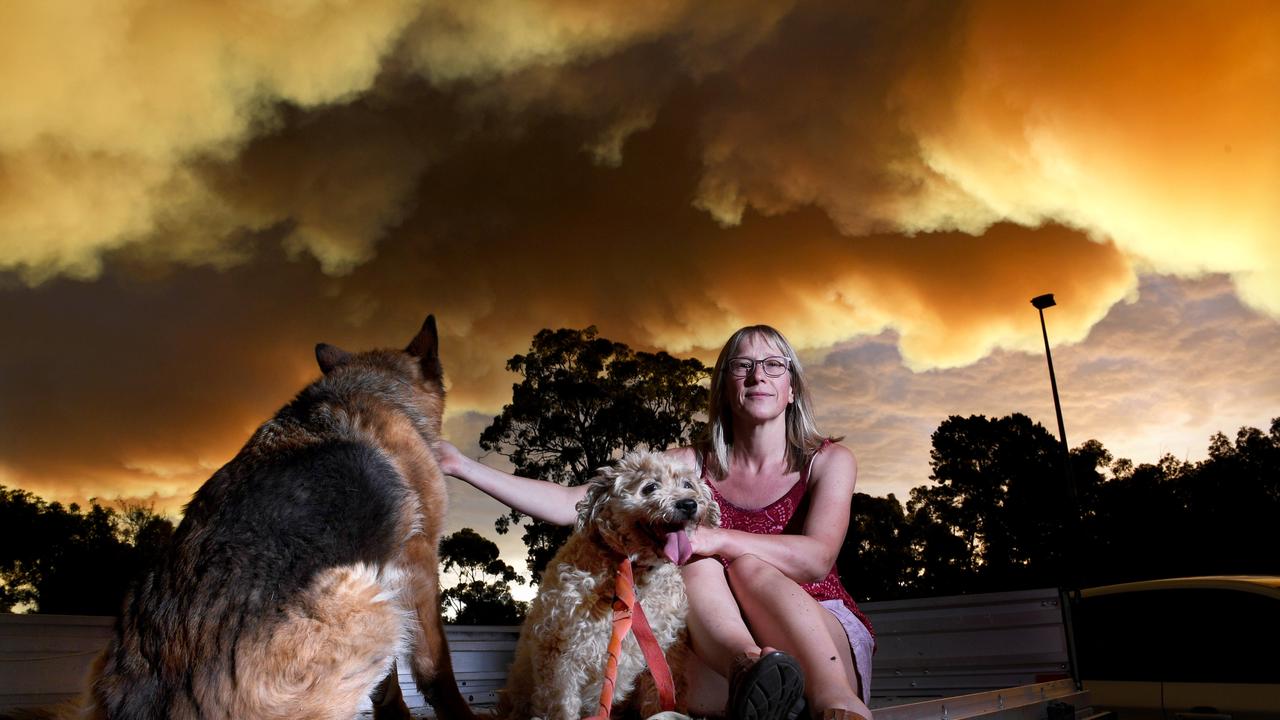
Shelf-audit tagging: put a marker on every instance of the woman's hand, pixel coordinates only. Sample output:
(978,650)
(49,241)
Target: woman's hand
(546,501)
(705,541)
(449,457)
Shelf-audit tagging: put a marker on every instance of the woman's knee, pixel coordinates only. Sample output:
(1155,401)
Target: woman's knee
(701,566)
(707,588)
(750,571)
(703,572)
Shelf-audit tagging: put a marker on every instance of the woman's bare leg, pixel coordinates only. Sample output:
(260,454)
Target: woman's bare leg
(781,614)
(718,633)
(847,660)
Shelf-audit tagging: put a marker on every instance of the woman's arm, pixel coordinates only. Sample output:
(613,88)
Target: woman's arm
(546,501)
(809,556)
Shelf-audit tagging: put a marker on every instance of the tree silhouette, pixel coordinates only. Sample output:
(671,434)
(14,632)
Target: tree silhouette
(998,516)
(56,559)
(1001,515)
(1234,496)
(482,595)
(994,516)
(1174,517)
(944,562)
(1139,522)
(1000,488)
(582,401)
(876,560)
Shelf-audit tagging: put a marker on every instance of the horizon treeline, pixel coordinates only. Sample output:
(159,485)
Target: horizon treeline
(1001,513)
(997,514)
(1005,506)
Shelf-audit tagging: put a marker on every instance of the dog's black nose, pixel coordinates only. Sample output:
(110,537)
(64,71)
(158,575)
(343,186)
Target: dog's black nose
(687,507)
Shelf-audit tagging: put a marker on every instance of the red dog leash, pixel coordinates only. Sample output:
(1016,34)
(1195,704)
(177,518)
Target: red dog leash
(628,615)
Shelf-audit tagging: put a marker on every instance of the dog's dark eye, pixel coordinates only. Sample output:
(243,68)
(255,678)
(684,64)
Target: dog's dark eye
(688,485)
(649,489)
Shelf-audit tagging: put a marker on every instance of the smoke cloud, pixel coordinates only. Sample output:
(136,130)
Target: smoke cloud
(192,194)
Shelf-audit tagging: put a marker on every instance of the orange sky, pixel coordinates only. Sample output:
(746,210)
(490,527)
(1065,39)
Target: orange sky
(192,194)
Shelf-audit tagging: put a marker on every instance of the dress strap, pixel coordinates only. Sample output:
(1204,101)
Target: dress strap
(804,474)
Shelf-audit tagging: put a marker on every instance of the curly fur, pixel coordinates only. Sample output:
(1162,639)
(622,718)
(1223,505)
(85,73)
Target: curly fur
(559,664)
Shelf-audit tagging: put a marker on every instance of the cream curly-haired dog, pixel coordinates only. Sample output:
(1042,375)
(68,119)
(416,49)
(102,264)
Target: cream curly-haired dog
(643,508)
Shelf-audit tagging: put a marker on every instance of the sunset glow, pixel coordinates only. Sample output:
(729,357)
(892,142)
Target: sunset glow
(193,194)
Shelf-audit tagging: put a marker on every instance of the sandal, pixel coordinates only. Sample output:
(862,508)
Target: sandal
(765,690)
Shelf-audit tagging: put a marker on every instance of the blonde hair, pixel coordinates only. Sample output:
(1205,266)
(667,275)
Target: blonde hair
(803,438)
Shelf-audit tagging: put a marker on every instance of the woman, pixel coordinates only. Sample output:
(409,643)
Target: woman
(764,600)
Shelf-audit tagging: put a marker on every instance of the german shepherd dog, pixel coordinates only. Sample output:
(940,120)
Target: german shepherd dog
(304,565)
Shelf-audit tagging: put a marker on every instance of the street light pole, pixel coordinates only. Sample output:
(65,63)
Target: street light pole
(1041,302)
(1071,593)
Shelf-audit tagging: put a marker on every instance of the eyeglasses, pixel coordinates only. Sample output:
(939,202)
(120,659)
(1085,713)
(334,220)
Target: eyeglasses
(741,367)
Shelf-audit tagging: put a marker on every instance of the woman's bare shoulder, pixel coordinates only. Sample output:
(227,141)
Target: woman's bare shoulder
(835,460)
(836,450)
(686,455)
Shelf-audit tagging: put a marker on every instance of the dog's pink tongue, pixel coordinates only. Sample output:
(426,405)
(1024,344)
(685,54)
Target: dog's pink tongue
(677,548)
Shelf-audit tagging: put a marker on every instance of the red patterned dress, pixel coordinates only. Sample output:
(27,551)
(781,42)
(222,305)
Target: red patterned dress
(780,517)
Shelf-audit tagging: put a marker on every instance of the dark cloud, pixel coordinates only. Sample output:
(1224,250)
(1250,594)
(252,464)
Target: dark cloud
(190,198)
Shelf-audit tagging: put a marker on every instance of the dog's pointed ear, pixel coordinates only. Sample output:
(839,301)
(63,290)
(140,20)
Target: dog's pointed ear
(425,346)
(330,357)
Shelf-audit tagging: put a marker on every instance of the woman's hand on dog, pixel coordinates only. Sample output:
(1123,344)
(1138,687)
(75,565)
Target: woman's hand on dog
(449,457)
(705,541)
(546,501)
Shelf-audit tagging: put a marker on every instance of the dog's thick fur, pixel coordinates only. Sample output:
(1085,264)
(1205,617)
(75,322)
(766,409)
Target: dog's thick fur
(304,565)
(560,658)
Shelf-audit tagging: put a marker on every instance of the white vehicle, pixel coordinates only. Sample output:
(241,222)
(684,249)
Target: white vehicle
(1203,648)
